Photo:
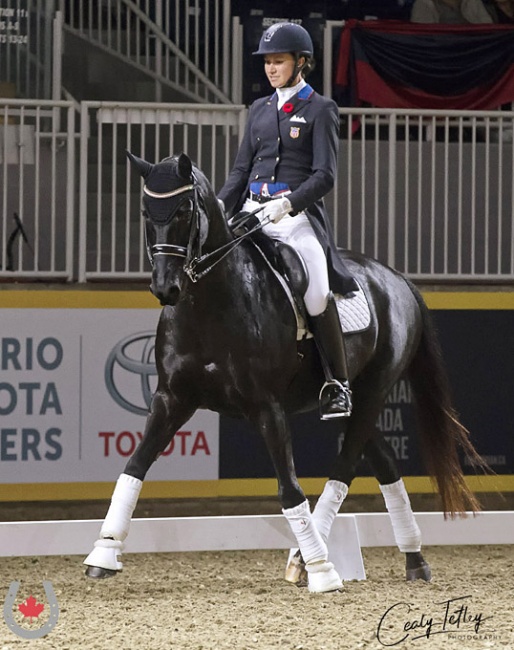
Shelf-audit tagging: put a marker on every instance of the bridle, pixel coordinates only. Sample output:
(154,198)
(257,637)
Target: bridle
(169,249)
(192,254)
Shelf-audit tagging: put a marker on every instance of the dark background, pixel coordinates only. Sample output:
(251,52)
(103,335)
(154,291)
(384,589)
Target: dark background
(312,14)
(478,351)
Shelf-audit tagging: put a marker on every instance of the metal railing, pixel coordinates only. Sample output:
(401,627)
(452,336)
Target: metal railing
(37,186)
(182,45)
(428,192)
(111,242)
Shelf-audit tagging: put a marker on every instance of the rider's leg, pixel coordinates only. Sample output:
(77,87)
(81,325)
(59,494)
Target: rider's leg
(335,396)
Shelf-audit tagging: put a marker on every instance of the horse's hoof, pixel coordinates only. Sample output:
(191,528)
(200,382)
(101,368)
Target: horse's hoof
(98,573)
(422,572)
(295,570)
(323,577)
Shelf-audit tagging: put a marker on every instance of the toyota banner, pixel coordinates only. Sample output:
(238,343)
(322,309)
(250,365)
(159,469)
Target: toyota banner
(77,373)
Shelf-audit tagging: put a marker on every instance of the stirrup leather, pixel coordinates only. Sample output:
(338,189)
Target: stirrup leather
(332,393)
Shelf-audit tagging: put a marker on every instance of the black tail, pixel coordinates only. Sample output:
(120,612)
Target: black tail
(442,435)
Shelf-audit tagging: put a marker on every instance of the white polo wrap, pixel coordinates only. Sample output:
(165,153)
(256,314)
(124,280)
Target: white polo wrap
(406,531)
(327,506)
(123,502)
(310,542)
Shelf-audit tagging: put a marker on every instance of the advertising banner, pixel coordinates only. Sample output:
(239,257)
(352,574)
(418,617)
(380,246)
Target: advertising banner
(77,376)
(75,387)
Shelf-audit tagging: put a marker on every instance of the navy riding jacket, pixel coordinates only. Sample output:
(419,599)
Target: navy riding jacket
(296,146)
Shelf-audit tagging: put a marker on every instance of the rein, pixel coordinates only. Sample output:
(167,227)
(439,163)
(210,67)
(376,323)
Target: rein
(192,262)
(226,249)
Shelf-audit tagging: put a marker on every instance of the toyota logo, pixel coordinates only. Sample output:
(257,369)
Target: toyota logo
(128,371)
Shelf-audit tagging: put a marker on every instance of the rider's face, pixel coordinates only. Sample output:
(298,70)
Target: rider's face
(279,68)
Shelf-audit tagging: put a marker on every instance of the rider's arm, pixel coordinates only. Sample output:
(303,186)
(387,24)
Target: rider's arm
(325,139)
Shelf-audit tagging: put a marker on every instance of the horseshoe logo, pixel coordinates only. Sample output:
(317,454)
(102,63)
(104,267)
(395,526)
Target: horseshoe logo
(21,631)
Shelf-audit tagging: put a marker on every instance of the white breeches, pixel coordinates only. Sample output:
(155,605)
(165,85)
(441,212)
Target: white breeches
(298,233)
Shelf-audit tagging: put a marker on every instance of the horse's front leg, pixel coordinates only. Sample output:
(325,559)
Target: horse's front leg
(166,416)
(321,573)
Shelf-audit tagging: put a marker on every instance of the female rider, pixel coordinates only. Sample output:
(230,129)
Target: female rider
(287,161)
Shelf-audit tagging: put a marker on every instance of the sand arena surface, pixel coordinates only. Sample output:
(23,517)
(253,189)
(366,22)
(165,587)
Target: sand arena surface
(239,600)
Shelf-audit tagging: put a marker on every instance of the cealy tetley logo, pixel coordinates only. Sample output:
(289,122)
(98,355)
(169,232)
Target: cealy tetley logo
(128,370)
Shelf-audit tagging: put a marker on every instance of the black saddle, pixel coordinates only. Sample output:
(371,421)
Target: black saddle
(282,257)
(289,264)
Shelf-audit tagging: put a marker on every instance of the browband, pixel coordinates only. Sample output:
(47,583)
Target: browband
(167,195)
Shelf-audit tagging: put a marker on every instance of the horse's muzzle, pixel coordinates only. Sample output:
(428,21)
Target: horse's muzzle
(168,295)
(166,284)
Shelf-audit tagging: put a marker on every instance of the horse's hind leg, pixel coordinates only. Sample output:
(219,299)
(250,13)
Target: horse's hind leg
(406,531)
(164,419)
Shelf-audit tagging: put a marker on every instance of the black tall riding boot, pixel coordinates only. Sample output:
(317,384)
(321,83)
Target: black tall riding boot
(335,398)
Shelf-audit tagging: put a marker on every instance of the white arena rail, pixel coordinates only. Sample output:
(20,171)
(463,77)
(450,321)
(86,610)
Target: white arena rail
(350,533)
(37,189)
(428,192)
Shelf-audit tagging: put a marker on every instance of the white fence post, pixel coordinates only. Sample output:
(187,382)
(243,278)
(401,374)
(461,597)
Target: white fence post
(391,192)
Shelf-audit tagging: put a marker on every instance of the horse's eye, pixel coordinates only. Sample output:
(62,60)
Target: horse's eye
(185,207)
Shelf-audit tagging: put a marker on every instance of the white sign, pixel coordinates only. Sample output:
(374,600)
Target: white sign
(75,386)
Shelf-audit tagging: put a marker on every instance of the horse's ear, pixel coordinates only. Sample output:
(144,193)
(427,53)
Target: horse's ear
(185,166)
(143,167)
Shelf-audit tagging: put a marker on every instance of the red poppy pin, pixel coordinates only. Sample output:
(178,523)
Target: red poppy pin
(288,107)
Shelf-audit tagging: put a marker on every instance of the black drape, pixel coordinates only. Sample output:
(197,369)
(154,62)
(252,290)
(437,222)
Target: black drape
(392,64)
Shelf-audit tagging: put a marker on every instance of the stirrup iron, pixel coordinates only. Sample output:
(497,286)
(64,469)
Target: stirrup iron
(331,392)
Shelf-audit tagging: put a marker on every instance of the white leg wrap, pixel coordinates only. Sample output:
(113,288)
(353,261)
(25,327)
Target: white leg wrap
(123,502)
(406,531)
(328,506)
(310,543)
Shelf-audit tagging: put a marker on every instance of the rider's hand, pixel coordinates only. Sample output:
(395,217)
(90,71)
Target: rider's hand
(275,209)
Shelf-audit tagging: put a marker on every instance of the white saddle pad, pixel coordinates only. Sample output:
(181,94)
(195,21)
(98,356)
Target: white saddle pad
(354,312)
(354,315)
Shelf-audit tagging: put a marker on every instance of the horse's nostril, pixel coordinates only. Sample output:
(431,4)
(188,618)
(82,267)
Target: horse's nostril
(166,295)
(173,296)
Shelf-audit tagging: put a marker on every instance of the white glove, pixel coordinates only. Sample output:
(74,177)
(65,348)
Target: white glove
(275,209)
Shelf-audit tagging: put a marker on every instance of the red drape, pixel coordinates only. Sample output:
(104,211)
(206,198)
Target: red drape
(392,64)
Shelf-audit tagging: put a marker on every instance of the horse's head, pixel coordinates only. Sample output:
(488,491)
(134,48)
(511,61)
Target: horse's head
(176,201)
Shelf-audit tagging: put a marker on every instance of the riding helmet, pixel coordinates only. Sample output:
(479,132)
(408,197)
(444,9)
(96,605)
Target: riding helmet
(286,37)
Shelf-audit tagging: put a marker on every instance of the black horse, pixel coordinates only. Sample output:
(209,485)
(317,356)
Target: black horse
(227,341)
